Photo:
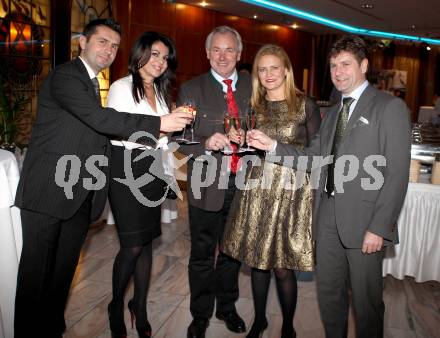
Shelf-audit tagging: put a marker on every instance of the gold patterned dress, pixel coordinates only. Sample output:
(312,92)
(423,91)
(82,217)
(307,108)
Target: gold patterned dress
(270,226)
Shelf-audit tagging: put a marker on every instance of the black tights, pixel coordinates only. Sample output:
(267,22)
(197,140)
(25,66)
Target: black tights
(136,262)
(287,294)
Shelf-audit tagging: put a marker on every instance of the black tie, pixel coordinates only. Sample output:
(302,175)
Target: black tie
(96,87)
(340,129)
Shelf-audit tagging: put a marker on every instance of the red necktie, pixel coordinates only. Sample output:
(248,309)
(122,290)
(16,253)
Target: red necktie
(232,111)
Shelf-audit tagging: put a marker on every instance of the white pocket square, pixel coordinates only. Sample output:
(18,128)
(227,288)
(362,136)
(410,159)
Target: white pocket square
(363,120)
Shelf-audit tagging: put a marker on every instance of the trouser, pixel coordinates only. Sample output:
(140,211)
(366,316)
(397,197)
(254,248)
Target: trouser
(211,279)
(339,268)
(51,249)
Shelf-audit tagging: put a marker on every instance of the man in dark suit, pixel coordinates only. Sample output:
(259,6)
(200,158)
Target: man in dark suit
(213,279)
(70,121)
(354,222)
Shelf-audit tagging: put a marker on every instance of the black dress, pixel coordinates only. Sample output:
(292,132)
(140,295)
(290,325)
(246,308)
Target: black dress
(137,224)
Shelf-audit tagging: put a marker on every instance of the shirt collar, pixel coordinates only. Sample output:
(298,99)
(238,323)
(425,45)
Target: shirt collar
(356,94)
(233,77)
(89,69)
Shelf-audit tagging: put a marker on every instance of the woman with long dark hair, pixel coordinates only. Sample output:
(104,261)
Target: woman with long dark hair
(146,90)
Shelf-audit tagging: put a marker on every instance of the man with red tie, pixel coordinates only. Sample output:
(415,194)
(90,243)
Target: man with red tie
(219,92)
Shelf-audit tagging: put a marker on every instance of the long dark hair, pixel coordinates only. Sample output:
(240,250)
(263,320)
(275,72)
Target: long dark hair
(140,55)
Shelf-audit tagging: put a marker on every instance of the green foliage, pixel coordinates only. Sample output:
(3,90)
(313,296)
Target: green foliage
(9,113)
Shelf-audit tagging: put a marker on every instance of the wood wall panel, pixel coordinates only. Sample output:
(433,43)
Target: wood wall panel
(188,26)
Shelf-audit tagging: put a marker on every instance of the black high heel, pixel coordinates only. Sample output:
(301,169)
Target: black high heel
(288,333)
(143,331)
(257,330)
(118,330)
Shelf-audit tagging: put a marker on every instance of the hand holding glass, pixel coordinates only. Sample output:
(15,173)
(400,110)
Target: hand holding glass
(190,106)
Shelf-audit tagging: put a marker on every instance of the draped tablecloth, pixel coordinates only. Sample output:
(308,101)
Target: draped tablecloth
(10,241)
(418,253)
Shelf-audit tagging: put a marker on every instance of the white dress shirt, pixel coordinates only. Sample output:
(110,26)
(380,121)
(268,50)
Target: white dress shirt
(355,94)
(233,77)
(120,97)
(89,69)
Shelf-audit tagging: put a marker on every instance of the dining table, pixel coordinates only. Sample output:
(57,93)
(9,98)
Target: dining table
(418,252)
(10,241)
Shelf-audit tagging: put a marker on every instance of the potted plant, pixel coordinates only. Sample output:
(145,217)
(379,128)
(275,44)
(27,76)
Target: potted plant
(9,112)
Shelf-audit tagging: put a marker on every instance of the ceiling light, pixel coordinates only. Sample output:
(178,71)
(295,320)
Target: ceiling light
(335,24)
(255,16)
(413,27)
(294,26)
(428,48)
(203,4)
(367,6)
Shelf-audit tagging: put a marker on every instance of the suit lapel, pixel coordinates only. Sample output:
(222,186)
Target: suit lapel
(216,90)
(83,71)
(332,114)
(361,109)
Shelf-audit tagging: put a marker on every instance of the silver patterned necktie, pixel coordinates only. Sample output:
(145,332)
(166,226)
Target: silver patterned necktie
(96,87)
(341,124)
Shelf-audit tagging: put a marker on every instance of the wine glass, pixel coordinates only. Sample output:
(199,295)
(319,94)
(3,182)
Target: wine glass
(190,106)
(228,122)
(251,120)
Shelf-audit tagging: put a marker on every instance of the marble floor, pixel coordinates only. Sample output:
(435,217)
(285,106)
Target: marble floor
(412,309)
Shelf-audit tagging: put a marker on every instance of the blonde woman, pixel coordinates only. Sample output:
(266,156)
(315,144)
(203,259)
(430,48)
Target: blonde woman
(270,228)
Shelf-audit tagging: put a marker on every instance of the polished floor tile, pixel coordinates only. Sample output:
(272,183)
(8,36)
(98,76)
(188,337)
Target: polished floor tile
(412,309)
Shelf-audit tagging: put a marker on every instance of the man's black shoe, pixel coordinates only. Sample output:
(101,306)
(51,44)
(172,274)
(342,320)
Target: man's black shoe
(197,328)
(232,320)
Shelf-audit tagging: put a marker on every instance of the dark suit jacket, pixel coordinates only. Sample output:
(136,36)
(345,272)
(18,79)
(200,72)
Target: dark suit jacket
(71,121)
(379,125)
(211,107)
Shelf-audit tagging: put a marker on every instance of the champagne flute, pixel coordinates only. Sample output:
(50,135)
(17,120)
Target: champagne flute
(189,106)
(251,120)
(228,122)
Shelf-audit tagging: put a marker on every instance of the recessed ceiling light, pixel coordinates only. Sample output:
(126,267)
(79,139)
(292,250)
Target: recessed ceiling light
(367,6)
(255,16)
(413,27)
(203,4)
(295,26)
(428,48)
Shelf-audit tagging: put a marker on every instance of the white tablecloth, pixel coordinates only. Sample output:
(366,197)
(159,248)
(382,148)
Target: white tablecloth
(10,241)
(418,253)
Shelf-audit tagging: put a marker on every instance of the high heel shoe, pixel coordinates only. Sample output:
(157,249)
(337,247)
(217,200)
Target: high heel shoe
(143,331)
(117,327)
(288,332)
(257,330)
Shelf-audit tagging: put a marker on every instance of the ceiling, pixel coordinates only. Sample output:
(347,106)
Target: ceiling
(412,17)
